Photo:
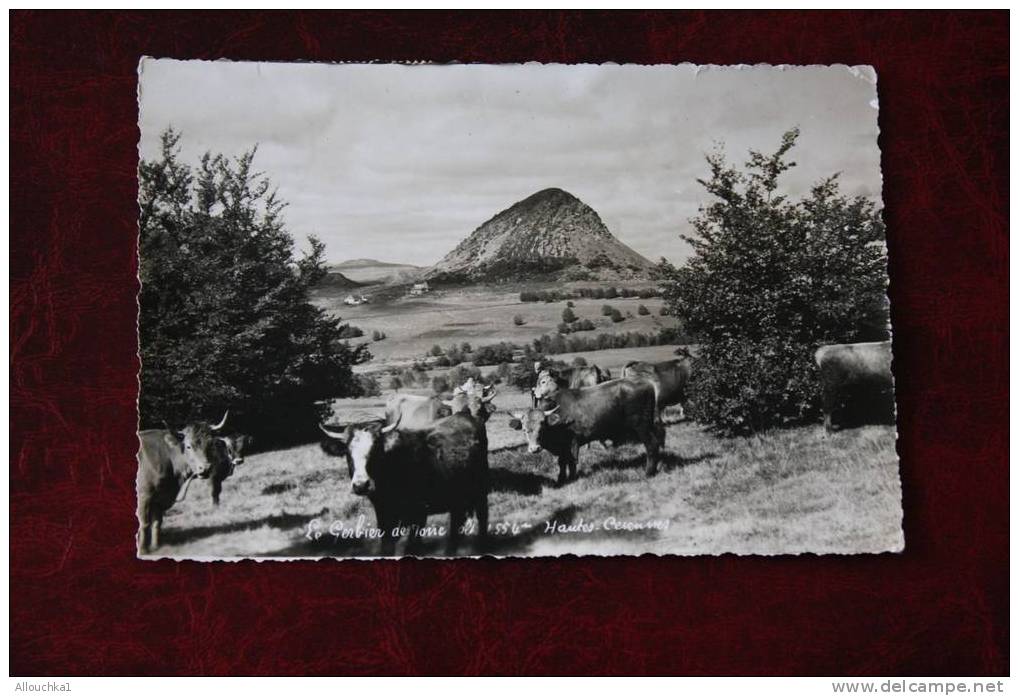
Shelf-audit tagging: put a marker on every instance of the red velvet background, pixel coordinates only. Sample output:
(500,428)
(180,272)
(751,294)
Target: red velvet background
(82,604)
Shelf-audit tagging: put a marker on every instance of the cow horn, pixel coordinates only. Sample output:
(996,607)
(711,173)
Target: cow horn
(392,426)
(330,433)
(221,423)
(553,410)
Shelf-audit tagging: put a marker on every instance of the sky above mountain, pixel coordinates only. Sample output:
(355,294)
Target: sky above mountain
(402,162)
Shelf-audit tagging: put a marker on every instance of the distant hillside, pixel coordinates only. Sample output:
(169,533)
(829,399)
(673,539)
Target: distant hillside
(335,279)
(372,272)
(551,234)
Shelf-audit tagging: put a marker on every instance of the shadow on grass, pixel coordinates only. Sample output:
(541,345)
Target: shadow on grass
(173,536)
(502,480)
(667,461)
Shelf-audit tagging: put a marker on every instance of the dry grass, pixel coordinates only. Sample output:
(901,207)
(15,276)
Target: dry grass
(787,491)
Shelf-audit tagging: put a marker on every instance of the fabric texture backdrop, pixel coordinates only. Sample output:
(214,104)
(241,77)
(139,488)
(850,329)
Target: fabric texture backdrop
(82,604)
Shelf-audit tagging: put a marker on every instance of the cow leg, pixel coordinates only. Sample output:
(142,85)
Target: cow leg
(387,541)
(156,525)
(217,488)
(574,457)
(143,526)
(481,508)
(457,518)
(652,445)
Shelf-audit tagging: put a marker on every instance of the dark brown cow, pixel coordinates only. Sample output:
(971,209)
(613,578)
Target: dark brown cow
(230,456)
(410,474)
(669,379)
(618,410)
(856,383)
(167,461)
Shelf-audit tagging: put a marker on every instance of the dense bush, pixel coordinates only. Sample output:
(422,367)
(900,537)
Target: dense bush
(643,311)
(351,332)
(378,335)
(494,354)
(551,344)
(367,385)
(225,320)
(587,293)
(770,279)
(607,310)
(518,320)
(568,316)
(584,325)
(579,361)
(616,316)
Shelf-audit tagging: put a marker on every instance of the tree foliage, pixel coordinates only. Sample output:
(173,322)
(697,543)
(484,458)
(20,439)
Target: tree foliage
(225,319)
(770,279)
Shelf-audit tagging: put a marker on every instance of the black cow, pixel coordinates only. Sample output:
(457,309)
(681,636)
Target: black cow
(410,474)
(230,451)
(167,462)
(856,383)
(618,410)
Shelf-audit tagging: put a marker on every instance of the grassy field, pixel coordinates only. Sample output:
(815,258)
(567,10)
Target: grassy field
(478,315)
(788,491)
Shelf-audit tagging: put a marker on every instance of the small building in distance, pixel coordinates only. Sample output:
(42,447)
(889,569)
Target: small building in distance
(419,288)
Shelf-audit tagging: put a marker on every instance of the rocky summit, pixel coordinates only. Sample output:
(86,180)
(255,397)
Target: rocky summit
(550,235)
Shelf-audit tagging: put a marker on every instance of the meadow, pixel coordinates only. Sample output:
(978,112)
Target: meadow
(785,491)
(479,315)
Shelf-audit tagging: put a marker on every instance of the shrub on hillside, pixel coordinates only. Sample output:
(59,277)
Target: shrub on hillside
(616,316)
(643,311)
(770,279)
(568,316)
(518,320)
(607,310)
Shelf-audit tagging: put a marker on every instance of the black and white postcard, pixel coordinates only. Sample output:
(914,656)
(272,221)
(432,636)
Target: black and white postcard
(512,310)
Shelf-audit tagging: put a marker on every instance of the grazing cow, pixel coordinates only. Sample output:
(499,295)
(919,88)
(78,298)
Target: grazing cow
(230,455)
(856,383)
(167,461)
(549,380)
(414,412)
(618,410)
(410,474)
(669,379)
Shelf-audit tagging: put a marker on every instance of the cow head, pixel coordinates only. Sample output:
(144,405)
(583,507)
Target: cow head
(198,445)
(546,386)
(533,421)
(231,452)
(473,398)
(362,444)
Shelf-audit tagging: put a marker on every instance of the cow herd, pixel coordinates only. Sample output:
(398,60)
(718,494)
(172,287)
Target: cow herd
(429,455)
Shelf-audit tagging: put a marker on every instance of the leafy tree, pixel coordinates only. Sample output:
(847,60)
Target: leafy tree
(642,310)
(770,279)
(225,318)
(568,316)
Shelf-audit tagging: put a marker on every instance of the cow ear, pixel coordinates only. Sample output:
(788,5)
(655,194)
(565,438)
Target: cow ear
(553,419)
(172,438)
(244,441)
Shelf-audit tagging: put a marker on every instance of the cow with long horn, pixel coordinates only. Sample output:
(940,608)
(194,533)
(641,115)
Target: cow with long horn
(409,474)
